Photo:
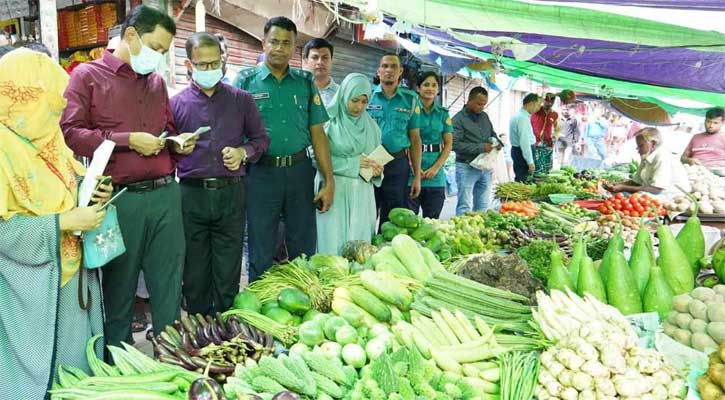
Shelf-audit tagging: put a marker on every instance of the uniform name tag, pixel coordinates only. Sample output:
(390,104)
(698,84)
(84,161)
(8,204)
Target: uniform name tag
(259,96)
(403,110)
(375,107)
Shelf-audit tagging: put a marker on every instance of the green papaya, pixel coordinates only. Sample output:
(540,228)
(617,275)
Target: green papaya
(578,254)
(642,259)
(590,281)
(622,291)
(435,243)
(674,263)
(559,277)
(691,239)
(390,230)
(424,232)
(658,294)
(404,218)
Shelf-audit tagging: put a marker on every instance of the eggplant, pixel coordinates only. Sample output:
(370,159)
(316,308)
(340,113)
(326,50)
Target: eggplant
(286,396)
(205,389)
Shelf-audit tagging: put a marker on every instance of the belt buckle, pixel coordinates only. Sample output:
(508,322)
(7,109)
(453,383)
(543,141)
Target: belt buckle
(205,184)
(284,161)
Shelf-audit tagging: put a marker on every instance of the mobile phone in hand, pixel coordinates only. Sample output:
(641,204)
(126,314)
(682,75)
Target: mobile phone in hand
(103,181)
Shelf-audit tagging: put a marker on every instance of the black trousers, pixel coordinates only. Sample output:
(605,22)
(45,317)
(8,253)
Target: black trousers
(392,192)
(431,200)
(521,167)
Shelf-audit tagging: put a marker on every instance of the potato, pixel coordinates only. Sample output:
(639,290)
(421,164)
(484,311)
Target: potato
(680,302)
(708,390)
(719,289)
(716,330)
(698,309)
(715,358)
(703,342)
(698,326)
(716,312)
(702,293)
(716,373)
(682,336)
(669,329)
(683,320)
(672,317)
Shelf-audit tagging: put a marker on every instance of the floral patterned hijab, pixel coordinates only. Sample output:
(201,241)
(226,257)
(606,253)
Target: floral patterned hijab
(37,170)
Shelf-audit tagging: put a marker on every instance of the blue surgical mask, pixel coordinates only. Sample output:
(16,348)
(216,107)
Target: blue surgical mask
(207,79)
(146,61)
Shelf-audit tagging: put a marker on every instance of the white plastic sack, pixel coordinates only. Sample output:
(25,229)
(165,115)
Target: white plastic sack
(486,161)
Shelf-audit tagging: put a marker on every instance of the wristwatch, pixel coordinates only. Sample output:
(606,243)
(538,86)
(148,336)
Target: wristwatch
(244,156)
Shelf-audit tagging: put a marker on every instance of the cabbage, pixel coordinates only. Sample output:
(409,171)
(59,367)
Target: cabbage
(354,355)
(329,266)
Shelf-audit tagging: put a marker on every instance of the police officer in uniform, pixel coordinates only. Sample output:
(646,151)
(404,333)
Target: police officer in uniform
(282,181)
(397,112)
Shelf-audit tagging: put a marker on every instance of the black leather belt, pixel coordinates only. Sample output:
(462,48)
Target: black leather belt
(211,183)
(432,148)
(401,154)
(147,186)
(283,161)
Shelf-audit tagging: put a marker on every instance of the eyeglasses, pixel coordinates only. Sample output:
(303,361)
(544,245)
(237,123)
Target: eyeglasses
(206,66)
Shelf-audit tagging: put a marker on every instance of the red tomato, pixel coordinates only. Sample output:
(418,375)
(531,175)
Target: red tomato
(619,196)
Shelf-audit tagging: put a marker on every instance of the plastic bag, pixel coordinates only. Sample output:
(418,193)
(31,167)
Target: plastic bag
(486,161)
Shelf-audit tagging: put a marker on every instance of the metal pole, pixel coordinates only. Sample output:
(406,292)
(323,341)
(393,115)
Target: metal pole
(49,26)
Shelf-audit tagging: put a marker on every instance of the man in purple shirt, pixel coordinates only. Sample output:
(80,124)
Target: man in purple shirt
(118,98)
(212,191)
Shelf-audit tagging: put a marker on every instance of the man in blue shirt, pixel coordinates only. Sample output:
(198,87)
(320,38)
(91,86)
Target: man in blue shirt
(397,113)
(522,138)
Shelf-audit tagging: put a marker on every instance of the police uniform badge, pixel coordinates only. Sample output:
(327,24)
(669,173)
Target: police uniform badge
(317,100)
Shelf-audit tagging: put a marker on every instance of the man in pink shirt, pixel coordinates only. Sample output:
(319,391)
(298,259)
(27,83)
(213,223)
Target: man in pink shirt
(708,148)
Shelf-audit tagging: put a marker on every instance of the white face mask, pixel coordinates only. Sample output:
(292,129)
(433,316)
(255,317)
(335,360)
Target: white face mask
(146,61)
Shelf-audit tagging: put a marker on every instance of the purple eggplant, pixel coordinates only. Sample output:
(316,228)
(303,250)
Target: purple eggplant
(205,389)
(286,396)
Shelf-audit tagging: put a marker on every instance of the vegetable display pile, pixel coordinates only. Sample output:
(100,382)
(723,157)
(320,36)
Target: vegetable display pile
(595,355)
(515,191)
(634,205)
(507,272)
(639,284)
(711,385)
(527,208)
(698,318)
(707,187)
(134,376)
(577,210)
(197,343)
(607,226)
(428,233)
(538,257)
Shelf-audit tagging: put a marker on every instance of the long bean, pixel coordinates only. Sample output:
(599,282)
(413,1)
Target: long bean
(519,374)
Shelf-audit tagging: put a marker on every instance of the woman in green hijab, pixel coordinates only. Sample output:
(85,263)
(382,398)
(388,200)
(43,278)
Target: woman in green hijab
(352,134)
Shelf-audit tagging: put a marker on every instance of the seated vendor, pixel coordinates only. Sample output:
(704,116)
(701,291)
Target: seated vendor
(708,148)
(660,171)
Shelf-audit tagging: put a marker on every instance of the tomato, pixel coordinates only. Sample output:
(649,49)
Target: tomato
(619,196)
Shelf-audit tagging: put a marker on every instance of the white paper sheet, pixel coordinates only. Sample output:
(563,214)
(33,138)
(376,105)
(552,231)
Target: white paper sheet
(380,156)
(98,165)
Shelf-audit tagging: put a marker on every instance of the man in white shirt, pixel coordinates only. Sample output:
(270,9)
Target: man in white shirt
(317,58)
(660,171)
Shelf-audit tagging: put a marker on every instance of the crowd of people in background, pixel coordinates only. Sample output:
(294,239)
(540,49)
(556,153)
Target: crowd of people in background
(293,156)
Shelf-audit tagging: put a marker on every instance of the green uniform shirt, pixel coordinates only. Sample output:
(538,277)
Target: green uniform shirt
(433,126)
(395,116)
(288,107)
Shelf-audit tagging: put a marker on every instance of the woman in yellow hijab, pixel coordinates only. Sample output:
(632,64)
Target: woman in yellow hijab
(42,323)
